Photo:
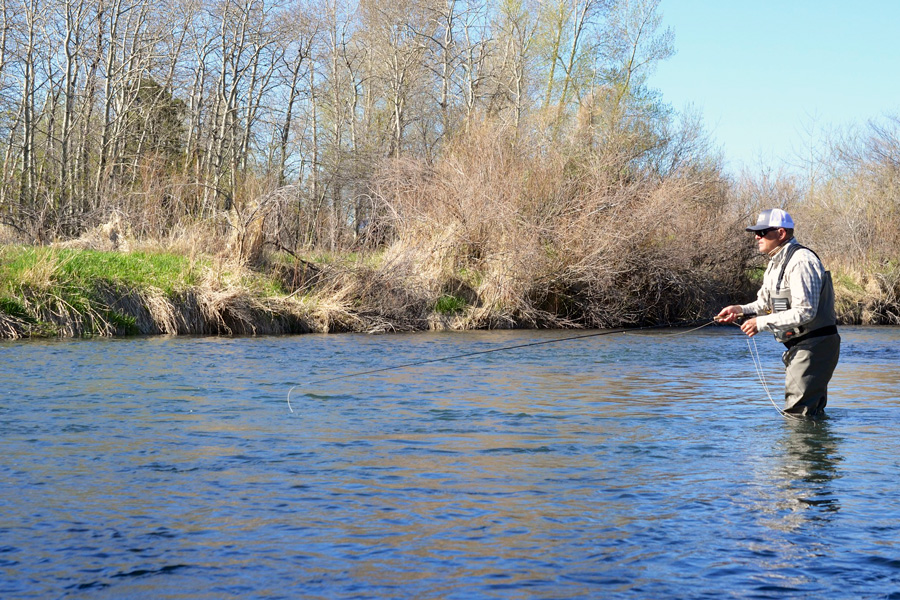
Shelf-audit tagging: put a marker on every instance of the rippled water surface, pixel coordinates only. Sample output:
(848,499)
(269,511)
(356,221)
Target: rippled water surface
(621,466)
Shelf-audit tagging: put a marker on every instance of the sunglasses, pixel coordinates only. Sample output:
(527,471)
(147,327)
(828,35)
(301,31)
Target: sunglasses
(764,232)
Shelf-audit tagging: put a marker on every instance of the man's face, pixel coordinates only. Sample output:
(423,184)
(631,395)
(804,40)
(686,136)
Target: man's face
(769,239)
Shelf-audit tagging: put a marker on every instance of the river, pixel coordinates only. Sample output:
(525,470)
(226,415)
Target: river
(642,465)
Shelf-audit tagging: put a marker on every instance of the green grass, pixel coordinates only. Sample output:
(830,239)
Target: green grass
(448,304)
(262,285)
(81,268)
(471,277)
(755,274)
(14,308)
(167,272)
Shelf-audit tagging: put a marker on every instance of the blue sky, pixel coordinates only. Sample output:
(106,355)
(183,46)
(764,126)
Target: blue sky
(770,77)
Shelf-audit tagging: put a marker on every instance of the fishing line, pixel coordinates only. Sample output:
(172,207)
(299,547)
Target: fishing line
(501,349)
(754,354)
(757,363)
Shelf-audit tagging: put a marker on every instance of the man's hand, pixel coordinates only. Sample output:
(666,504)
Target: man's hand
(732,313)
(749,327)
(729,314)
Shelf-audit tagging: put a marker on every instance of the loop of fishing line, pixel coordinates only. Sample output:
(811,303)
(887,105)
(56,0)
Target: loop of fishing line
(757,362)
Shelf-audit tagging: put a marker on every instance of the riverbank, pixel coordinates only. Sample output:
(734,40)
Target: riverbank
(73,292)
(69,292)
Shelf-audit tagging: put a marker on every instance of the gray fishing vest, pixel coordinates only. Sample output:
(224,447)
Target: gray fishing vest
(780,300)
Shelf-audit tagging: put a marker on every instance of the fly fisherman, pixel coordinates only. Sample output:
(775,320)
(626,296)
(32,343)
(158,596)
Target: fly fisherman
(796,303)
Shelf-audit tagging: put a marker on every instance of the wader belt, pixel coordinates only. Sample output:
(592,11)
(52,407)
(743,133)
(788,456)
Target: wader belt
(820,332)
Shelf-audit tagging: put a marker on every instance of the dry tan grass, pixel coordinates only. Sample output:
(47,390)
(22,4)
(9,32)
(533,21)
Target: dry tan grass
(161,313)
(12,328)
(9,235)
(389,296)
(40,275)
(111,236)
(65,319)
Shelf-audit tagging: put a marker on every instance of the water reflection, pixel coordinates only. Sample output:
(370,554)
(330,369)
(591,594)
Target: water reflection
(805,465)
(812,456)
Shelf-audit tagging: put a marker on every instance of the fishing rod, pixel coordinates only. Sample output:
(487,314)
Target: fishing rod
(505,348)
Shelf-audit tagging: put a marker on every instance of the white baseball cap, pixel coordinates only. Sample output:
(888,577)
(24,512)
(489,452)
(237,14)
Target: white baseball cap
(774,217)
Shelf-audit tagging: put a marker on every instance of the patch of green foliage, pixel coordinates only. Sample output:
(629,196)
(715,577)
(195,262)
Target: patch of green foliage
(448,304)
(66,267)
(755,274)
(843,280)
(13,261)
(122,322)
(168,272)
(14,308)
(262,284)
(470,276)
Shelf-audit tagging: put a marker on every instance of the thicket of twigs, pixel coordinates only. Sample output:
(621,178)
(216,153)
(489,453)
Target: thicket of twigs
(536,233)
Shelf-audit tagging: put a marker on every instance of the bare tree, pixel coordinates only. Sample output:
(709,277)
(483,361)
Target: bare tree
(516,28)
(299,33)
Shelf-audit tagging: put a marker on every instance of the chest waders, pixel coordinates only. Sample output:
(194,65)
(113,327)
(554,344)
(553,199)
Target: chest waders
(824,323)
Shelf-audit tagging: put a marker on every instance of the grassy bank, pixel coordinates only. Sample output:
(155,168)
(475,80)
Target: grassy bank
(59,292)
(74,292)
(67,292)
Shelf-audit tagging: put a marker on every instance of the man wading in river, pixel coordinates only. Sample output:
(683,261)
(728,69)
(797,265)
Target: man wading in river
(796,303)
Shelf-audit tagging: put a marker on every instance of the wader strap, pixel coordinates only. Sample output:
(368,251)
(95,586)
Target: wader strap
(787,258)
(820,332)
